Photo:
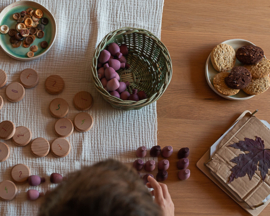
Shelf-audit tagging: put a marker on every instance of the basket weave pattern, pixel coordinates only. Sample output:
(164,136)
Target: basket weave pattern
(150,71)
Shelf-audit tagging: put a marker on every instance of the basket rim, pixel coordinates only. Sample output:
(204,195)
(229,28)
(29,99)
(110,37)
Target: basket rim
(128,104)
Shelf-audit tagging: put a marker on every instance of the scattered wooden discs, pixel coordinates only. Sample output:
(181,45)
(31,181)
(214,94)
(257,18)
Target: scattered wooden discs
(59,108)
(22,136)
(3,78)
(20,173)
(7,130)
(8,190)
(60,147)
(64,127)
(1,102)
(83,100)
(40,147)
(83,122)
(15,92)
(29,78)
(4,152)
(54,84)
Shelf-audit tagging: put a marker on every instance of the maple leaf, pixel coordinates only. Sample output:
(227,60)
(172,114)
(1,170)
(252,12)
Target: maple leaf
(248,163)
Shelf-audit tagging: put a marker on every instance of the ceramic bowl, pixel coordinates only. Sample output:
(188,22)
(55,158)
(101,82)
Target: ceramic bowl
(210,72)
(20,52)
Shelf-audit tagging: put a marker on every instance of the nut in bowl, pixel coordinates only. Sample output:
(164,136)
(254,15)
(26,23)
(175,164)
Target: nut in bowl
(237,70)
(30,26)
(131,68)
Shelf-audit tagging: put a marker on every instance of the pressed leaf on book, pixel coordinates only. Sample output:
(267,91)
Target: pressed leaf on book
(248,163)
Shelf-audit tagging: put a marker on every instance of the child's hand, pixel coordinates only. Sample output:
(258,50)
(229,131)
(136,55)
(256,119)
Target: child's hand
(162,196)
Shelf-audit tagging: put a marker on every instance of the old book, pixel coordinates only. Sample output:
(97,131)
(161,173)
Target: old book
(252,191)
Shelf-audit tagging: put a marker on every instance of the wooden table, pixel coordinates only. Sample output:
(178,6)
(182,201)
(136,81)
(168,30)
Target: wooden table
(190,113)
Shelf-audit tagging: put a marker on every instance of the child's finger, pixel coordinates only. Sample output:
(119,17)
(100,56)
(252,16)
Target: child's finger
(148,185)
(156,186)
(165,191)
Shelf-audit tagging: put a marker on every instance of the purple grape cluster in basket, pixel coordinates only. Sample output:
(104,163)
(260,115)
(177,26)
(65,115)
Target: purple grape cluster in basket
(109,62)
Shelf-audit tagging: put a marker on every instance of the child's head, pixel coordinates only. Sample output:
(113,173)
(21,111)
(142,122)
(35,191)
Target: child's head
(108,188)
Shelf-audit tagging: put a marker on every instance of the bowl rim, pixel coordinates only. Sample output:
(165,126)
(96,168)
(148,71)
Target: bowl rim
(54,26)
(209,80)
(128,104)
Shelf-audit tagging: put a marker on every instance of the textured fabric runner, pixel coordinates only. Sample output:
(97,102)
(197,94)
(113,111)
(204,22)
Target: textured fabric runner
(115,134)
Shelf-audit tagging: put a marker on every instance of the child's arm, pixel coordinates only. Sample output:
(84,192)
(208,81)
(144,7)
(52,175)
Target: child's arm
(162,196)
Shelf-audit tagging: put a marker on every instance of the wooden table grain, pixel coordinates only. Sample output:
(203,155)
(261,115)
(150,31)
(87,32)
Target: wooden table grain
(190,113)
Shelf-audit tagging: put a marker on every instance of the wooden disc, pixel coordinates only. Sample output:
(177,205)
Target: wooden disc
(40,147)
(59,108)
(1,102)
(20,173)
(22,136)
(8,190)
(60,147)
(64,127)
(7,130)
(29,78)
(83,100)
(83,122)
(3,78)
(15,92)
(4,152)
(54,84)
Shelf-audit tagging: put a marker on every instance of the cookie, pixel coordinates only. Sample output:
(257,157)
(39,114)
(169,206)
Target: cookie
(259,70)
(258,86)
(239,78)
(249,54)
(223,57)
(221,86)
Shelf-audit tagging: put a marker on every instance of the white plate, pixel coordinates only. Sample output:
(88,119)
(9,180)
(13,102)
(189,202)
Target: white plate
(210,72)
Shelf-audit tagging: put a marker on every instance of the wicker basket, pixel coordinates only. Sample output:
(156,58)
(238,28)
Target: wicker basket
(150,71)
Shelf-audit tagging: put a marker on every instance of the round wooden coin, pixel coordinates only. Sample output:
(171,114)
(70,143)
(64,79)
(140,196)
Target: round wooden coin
(15,92)
(22,136)
(54,84)
(20,173)
(4,152)
(1,102)
(59,108)
(83,100)
(7,130)
(8,190)
(64,127)
(40,147)
(3,78)
(60,147)
(83,122)
(29,78)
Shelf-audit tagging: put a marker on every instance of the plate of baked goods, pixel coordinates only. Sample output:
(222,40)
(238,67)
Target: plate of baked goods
(27,30)
(237,69)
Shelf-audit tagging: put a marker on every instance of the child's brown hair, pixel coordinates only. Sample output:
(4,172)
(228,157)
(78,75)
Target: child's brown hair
(108,188)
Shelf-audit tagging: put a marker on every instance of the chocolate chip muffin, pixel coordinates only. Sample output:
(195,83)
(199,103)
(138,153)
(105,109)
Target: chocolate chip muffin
(239,78)
(249,54)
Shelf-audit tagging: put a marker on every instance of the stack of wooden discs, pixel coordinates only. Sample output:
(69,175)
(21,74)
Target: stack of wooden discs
(60,147)
(64,127)
(1,102)
(29,78)
(59,108)
(54,84)
(3,78)
(7,130)
(15,92)
(20,173)
(8,190)
(83,122)
(4,152)
(22,136)
(83,100)
(40,147)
